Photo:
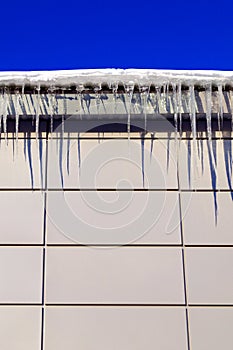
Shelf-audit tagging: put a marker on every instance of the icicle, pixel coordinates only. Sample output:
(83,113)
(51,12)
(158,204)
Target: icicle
(17,117)
(193,122)
(129,88)
(193,112)
(175,108)
(62,140)
(143,157)
(64,113)
(158,98)
(37,111)
(114,87)
(144,91)
(22,100)
(167,99)
(51,98)
(180,107)
(209,126)
(220,104)
(79,89)
(208,93)
(5,111)
(164,99)
(1,111)
(97,90)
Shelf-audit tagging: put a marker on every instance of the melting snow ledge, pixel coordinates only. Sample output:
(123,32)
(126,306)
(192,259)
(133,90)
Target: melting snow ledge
(109,76)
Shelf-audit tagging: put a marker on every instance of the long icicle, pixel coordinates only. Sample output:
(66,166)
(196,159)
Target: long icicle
(114,87)
(79,90)
(208,95)
(174,89)
(176,109)
(129,88)
(51,98)
(64,113)
(37,111)
(220,104)
(97,90)
(1,111)
(179,103)
(17,96)
(193,125)
(144,91)
(5,111)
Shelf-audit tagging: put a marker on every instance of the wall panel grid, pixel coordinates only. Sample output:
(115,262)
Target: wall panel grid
(110,243)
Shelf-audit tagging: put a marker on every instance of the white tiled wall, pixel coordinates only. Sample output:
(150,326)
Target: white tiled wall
(115,328)
(21,275)
(20,327)
(65,280)
(143,275)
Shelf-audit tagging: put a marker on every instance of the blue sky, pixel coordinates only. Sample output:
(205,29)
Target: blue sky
(73,34)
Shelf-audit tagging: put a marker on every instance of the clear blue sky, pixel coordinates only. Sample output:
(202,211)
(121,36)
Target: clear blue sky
(71,34)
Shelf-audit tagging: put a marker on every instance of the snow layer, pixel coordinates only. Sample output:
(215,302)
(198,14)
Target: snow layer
(110,76)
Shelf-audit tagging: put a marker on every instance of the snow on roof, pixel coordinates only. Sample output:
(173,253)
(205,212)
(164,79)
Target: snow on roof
(109,76)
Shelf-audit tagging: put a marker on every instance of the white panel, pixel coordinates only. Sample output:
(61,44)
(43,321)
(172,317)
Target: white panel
(150,217)
(224,164)
(20,328)
(21,217)
(211,328)
(206,167)
(209,275)
(114,275)
(20,275)
(111,164)
(204,223)
(22,164)
(115,328)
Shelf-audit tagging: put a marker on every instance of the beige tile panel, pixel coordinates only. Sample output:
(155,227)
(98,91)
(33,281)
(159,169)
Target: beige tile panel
(211,328)
(106,217)
(111,164)
(124,328)
(21,217)
(20,328)
(22,163)
(114,275)
(203,223)
(20,274)
(205,166)
(209,275)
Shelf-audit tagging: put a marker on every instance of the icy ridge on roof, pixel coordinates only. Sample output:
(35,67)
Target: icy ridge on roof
(108,76)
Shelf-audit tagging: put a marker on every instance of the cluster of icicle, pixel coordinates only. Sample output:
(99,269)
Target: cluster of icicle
(166,85)
(14,104)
